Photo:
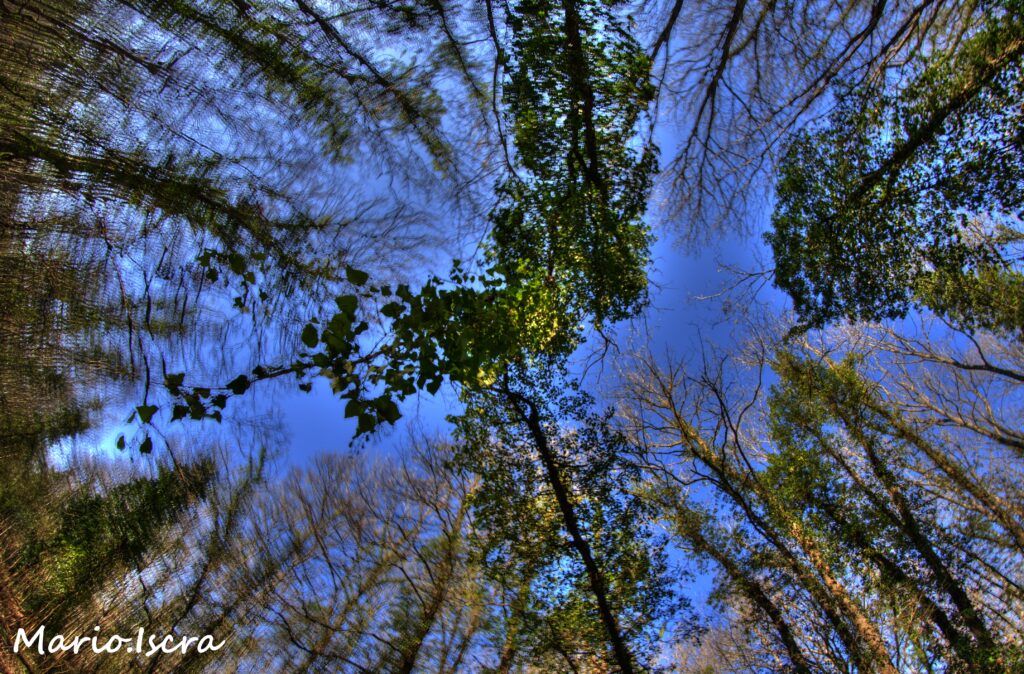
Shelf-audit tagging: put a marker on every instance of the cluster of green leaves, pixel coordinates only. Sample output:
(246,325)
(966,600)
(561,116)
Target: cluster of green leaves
(466,329)
(571,219)
(906,194)
(568,242)
(424,342)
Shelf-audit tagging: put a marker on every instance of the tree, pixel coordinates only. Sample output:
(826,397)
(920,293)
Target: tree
(845,525)
(373,565)
(564,530)
(67,542)
(570,218)
(178,157)
(739,77)
(568,244)
(909,197)
(155,185)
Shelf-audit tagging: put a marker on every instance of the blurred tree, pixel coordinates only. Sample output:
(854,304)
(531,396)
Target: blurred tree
(568,245)
(67,542)
(374,568)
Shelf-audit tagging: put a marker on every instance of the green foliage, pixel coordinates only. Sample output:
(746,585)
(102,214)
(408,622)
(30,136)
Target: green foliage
(837,467)
(84,537)
(529,546)
(991,299)
(572,219)
(907,194)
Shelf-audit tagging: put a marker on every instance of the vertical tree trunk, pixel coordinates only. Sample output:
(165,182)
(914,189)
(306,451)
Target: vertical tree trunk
(531,419)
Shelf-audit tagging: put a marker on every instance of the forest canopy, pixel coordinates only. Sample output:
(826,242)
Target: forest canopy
(205,204)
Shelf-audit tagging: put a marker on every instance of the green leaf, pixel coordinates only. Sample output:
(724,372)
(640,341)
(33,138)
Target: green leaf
(353,408)
(310,337)
(173,382)
(341,324)
(239,384)
(147,445)
(146,412)
(179,412)
(356,277)
(392,309)
(366,424)
(388,410)
(120,442)
(347,304)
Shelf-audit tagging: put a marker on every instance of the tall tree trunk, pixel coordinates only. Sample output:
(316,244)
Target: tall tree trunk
(598,586)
